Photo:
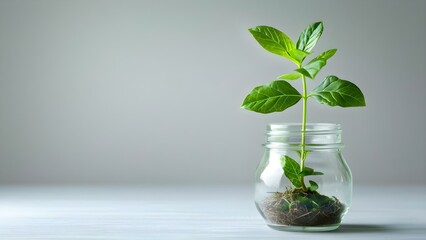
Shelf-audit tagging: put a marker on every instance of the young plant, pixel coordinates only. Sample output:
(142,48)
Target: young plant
(279,95)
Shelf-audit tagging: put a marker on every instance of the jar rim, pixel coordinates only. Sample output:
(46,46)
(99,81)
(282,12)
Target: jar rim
(317,135)
(297,127)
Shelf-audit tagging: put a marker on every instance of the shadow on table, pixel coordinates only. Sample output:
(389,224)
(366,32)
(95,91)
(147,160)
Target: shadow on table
(380,228)
(364,228)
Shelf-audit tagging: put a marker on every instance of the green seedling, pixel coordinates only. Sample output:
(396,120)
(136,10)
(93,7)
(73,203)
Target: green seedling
(279,94)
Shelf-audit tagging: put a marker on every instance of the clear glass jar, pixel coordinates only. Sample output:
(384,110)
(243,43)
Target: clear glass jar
(309,208)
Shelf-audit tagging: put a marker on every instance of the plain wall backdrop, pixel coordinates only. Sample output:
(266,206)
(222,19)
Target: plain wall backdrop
(148,92)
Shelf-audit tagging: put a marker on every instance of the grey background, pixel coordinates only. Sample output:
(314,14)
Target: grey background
(148,92)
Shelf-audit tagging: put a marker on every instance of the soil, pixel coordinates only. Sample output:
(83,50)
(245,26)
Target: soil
(296,207)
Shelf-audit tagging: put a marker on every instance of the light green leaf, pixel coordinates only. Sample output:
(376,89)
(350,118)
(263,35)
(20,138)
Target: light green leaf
(336,92)
(274,97)
(325,55)
(291,170)
(273,40)
(311,69)
(297,56)
(309,37)
(303,72)
(314,186)
(290,76)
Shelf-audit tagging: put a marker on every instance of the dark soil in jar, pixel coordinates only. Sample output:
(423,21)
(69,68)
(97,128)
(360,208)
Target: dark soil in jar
(296,207)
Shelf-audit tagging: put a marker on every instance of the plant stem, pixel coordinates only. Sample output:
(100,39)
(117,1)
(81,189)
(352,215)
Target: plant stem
(303,152)
(305,100)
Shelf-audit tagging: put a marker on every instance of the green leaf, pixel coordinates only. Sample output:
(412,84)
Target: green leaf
(291,170)
(314,186)
(297,56)
(299,153)
(309,37)
(336,92)
(311,69)
(307,171)
(282,161)
(274,97)
(290,76)
(273,40)
(325,55)
(303,72)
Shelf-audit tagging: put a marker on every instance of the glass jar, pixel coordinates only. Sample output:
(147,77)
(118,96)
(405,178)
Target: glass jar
(318,200)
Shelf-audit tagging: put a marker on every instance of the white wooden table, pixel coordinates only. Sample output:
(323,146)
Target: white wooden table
(192,213)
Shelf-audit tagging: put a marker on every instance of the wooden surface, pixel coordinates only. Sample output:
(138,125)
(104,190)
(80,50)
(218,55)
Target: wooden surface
(192,213)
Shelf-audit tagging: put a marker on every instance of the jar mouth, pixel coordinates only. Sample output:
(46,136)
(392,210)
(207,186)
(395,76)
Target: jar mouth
(317,135)
(297,127)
